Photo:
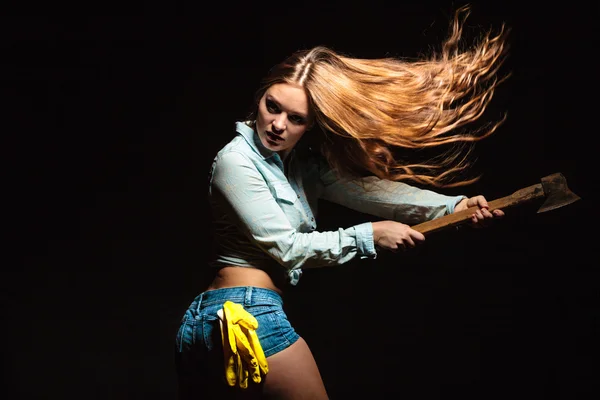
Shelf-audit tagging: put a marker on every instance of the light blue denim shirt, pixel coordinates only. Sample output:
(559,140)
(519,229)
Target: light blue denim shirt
(265,218)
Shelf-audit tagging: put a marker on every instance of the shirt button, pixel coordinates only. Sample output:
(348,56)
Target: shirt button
(298,196)
(312,218)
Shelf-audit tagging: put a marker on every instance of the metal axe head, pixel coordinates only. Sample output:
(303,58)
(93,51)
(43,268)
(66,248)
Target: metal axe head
(556,192)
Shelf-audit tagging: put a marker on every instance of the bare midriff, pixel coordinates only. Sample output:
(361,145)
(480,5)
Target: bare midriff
(242,276)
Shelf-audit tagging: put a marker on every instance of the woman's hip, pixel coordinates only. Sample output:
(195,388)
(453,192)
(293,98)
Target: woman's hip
(199,331)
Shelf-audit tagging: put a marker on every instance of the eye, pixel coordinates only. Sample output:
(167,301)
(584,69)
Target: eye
(271,106)
(296,119)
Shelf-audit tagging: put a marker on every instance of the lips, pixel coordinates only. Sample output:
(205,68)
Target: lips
(273,137)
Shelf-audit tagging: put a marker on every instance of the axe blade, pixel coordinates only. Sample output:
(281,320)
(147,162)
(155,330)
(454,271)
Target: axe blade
(557,193)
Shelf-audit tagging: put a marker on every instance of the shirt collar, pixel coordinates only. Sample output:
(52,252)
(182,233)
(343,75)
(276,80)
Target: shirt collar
(250,135)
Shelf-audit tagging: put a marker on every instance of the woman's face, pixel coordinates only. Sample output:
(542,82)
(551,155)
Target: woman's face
(283,117)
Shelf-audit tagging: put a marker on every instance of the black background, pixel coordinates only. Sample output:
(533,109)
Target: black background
(111,125)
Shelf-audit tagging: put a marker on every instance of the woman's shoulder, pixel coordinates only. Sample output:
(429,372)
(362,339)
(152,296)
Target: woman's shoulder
(231,156)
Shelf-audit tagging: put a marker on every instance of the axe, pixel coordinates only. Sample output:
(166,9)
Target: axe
(553,188)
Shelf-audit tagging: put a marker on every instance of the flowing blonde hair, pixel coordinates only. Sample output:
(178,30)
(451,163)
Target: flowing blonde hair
(374,112)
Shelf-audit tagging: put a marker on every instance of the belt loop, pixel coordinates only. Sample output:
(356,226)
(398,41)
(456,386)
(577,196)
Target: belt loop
(248,298)
(199,303)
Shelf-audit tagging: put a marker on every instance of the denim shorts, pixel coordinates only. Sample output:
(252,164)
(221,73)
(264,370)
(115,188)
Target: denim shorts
(199,332)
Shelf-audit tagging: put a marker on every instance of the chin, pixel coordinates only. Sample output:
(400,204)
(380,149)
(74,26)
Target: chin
(268,144)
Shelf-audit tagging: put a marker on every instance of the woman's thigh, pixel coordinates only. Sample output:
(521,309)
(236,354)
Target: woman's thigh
(294,375)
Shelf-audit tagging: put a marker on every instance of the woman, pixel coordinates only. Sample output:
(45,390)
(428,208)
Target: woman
(326,126)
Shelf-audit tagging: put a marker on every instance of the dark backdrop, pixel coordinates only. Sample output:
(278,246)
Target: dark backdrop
(116,120)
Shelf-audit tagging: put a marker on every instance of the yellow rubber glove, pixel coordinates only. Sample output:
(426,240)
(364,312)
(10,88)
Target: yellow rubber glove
(243,353)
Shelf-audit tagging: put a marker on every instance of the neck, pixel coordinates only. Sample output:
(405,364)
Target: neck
(284,155)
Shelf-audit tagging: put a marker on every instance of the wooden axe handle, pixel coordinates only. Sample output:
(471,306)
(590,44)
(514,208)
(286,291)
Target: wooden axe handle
(521,196)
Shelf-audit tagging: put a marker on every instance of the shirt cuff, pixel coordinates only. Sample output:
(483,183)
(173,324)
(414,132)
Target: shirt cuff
(364,240)
(453,202)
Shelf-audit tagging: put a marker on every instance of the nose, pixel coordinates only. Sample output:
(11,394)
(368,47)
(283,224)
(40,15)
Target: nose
(279,124)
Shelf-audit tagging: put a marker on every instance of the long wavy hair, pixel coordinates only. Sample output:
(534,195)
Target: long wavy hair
(379,116)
